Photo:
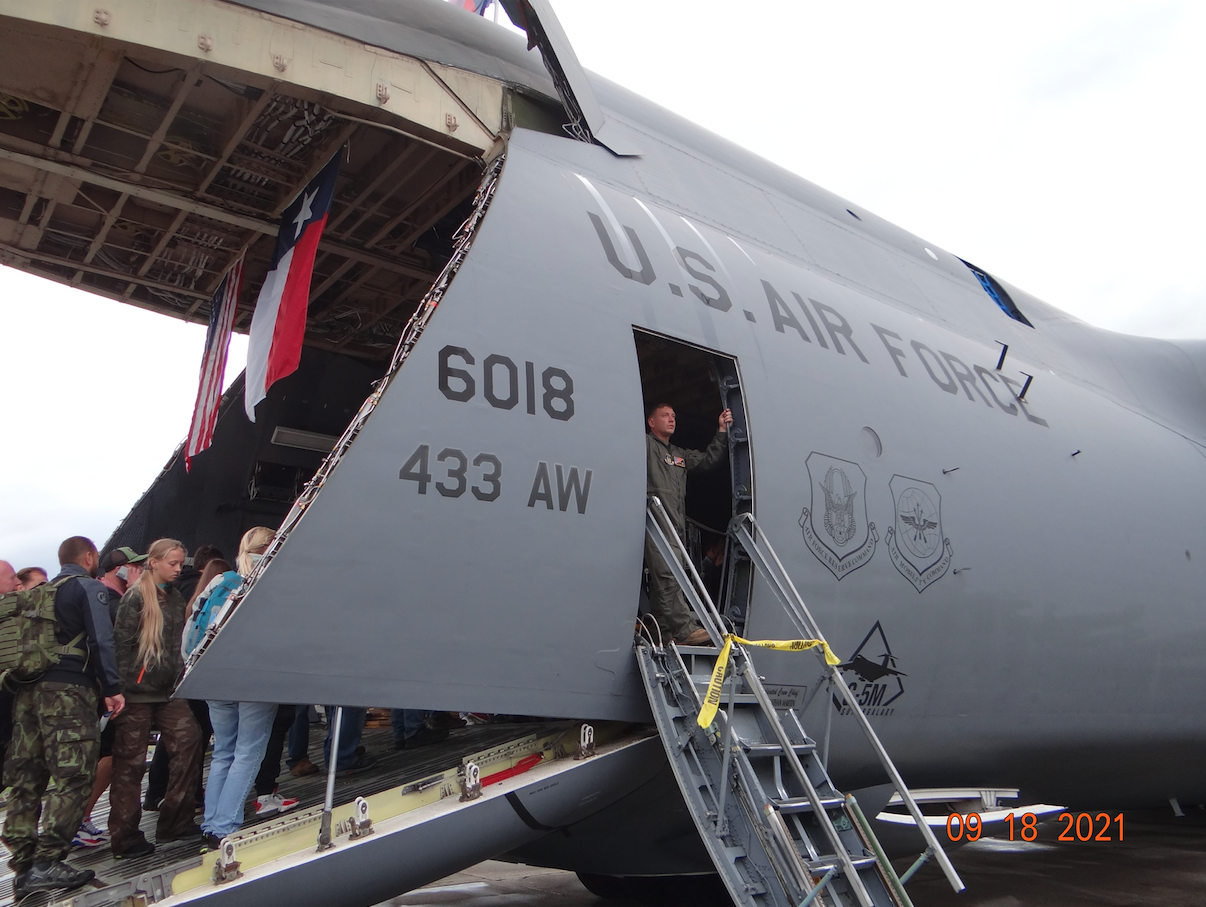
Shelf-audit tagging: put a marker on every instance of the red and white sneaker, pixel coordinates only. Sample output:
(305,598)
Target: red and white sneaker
(273,804)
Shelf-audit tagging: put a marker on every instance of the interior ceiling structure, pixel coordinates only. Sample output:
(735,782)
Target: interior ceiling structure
(678,374)
(140,174)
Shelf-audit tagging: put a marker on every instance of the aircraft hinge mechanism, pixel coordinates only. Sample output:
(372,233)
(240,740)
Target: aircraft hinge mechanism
(362,825)
(471,782)
(226,867)
(586,742)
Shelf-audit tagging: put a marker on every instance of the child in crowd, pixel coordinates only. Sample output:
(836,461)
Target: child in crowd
(147,632)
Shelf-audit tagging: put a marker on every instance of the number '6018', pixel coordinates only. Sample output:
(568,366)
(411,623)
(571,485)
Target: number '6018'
(502,386)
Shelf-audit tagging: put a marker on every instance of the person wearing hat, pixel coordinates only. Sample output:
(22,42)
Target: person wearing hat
(120,569)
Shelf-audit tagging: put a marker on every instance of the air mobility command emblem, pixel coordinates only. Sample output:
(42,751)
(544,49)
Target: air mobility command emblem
(916,544)
(835,525)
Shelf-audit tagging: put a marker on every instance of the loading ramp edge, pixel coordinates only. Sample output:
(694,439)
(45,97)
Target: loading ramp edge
(420,831)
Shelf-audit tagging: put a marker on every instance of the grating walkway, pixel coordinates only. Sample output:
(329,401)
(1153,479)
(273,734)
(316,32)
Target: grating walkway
(393,768)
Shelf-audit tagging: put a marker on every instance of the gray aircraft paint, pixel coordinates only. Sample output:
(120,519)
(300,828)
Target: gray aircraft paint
(1048,638)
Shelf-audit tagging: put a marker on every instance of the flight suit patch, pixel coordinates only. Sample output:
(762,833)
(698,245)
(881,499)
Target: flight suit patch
(676,461)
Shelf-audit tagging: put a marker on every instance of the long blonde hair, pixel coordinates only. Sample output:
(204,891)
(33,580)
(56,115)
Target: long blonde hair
(150,630)
(256,537)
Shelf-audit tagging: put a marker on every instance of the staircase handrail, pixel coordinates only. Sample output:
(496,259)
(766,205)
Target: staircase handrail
(786,592)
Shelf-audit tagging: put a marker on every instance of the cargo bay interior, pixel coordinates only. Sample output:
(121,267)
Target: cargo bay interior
(699,384)
(141,175)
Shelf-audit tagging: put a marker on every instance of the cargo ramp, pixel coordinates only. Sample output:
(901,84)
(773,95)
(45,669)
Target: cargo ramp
(385,843)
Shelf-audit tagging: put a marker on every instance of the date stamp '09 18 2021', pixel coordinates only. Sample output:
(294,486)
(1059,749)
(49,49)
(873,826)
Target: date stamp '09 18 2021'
(1076,827)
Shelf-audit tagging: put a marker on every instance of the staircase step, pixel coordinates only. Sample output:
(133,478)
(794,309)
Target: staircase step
(822,865)
(804,805)
(774,749)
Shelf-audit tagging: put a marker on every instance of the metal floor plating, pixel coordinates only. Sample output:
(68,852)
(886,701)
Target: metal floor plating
(393,768)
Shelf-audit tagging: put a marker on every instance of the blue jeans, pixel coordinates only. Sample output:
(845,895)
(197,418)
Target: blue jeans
(241,732)
(406,723)
(349,736)
(299,735)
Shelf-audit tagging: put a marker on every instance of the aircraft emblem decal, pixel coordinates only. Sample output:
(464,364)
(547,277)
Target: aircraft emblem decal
(835,525)
(916,544)
(871,675)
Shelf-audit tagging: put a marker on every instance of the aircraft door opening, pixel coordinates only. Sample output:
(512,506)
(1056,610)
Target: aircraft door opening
(699,384)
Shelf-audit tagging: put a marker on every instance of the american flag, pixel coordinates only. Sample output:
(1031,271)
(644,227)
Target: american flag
(213,362)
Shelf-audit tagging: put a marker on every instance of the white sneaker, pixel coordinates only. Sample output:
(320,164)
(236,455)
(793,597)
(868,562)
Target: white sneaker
(272,804)
(83,839)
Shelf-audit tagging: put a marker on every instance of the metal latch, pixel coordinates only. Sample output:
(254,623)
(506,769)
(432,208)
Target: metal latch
(586,742)
(226,869)
(362,825)
(471,782)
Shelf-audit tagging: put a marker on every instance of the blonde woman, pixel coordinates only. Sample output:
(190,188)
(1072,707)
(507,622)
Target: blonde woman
(241,729)
(147,632)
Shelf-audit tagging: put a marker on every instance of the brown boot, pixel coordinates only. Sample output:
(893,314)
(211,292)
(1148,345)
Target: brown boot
(303,767)
(697,637)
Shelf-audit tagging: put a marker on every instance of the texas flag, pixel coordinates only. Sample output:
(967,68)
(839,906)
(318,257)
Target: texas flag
(279,322)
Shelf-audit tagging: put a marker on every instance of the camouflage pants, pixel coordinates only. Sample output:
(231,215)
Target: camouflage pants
(55,735)
(179,733)
(667,604)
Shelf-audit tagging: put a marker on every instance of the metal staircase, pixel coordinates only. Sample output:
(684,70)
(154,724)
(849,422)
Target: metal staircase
(776,828)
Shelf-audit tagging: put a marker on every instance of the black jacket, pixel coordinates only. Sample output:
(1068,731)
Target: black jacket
(186,582)
(83,604)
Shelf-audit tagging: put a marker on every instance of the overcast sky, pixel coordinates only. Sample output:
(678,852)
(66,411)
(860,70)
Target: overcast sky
(1057,145)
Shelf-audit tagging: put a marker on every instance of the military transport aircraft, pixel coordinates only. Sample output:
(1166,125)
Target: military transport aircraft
(989,507)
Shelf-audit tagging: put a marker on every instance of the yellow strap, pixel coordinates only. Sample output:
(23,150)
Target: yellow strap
(712,700)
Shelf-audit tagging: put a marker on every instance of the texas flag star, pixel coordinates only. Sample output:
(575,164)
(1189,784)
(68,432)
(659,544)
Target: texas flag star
(279,323)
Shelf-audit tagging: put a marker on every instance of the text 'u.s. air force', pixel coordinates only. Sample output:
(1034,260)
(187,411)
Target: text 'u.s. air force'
(816,324)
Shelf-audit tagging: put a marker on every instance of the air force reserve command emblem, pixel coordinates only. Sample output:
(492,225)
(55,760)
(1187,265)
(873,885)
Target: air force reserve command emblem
(835,526)
(916,544)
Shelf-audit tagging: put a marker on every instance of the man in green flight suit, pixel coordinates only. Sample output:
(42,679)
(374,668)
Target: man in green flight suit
(668,467)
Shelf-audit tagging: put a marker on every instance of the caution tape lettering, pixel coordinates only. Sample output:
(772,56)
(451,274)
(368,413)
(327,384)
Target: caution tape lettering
(712,699)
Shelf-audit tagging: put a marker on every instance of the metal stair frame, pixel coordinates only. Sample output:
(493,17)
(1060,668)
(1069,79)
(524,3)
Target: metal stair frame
(661,531)
(785,590)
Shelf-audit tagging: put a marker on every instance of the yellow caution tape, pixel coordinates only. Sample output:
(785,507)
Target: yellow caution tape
(712,700)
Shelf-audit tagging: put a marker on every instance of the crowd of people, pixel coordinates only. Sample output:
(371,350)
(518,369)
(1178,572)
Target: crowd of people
(126,624)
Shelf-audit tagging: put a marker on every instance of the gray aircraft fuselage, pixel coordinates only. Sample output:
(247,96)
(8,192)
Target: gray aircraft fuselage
(1026,564)
(1006,551)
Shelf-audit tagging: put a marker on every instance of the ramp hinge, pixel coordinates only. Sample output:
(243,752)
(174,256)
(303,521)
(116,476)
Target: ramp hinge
(362,825)
(226,867)
(586,742)
(471,782)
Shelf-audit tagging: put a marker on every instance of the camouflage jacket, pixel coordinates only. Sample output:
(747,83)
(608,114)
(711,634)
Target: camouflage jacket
(160,678)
